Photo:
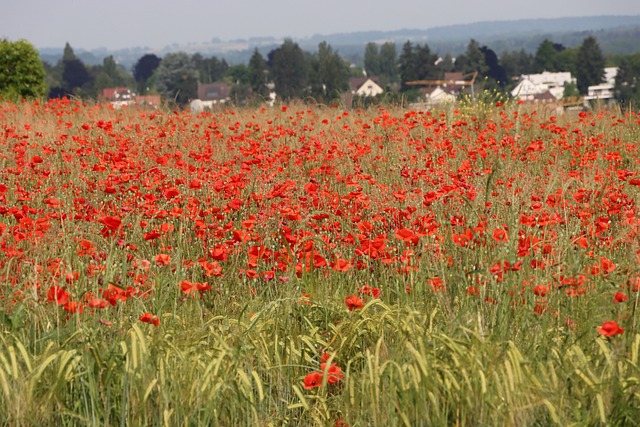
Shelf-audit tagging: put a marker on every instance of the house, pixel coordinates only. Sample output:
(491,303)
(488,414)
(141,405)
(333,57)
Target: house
(214,93)
(121,96)
(365,86)
(210,94)
(118,96)
(531,85)
(603,91)
(441,94)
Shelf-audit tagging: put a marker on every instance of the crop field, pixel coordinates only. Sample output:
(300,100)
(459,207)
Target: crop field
(310,266)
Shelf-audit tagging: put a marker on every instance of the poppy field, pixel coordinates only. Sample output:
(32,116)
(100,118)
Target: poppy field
(310,266)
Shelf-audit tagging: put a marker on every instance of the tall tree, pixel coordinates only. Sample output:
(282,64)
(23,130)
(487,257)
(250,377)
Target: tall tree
(371,59)
(288,70)
(109,74)
(425,63)
(209,69)
(627,85)
(177,78)
(143,70)
(75,75)
(589,64)
(388,61)
(21,71)
(258,74)
(516,63)
(495,71)
(328,74)
(546,57)
(473,59)
(407,65)
(68,54)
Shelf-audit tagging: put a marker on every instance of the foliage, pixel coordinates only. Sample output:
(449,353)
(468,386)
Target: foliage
(547,57)
(288,69)
(372,64)
(144,69)
(407,66)
(21,71)
(258,75)
(109,75)
(627,84)
(328,74)
(473,59)
(417,63)
(388,62)
(589,64)
(495,71)
(75,75)
(209,69)
(177,78)
(517,63)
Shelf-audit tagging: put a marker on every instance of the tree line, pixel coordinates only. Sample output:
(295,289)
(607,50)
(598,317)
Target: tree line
(294,73)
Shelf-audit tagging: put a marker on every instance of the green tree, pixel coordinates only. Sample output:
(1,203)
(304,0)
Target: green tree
(109,74)
(143,70)
(68,53)
(473,59)
(425,63)
(258,74)
(372,59)
(546,57)
(21,71)
(289,70)
(495,72)
(388,59)
(407,66)
(177,78)
(589,64)
(328,74)
(209,69)
(627,85)
(75,76)
(516,63)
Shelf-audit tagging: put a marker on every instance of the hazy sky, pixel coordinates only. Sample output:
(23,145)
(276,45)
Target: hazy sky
(118,24)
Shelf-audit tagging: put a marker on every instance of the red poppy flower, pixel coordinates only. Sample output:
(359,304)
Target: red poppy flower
(98,303)
(610,329)
(436,283)
(111,222)
(150,318)
(313,380)
(353,302)
(541,290)
(368,290)
(607,265)
(341,265)
(58,295)
(73,307)
(334,372)
(499,235)
(162,260)
(620,297)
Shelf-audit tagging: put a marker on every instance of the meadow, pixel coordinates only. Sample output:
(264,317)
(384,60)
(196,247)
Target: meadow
(310,266)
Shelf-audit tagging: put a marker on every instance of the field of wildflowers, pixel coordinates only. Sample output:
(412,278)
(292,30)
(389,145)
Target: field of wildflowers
(298,265)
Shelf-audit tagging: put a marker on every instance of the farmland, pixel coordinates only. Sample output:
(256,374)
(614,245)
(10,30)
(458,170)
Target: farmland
(309,266)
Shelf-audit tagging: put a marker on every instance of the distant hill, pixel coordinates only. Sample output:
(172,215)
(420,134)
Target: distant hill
(615,34)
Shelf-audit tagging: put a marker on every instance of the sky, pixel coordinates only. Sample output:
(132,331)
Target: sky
(118,24)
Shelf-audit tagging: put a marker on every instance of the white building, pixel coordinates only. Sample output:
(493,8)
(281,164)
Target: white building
(365,86)
(531,85)
(604,90)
